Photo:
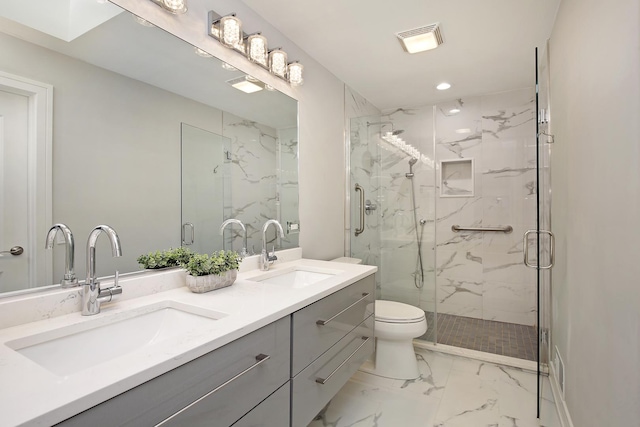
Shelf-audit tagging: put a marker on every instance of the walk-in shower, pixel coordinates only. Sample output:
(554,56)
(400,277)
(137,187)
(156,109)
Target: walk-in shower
(473,286)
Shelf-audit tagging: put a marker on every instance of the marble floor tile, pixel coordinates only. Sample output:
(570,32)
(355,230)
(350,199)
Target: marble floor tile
(452,391)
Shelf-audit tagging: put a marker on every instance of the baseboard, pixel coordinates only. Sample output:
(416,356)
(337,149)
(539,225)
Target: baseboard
(561,405)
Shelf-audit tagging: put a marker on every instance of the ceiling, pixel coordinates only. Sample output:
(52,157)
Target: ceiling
(488,45)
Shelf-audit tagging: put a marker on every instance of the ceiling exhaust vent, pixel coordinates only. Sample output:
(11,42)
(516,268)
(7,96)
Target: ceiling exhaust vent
(421,39)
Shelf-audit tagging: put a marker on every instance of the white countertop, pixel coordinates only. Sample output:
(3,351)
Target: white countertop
(31,395)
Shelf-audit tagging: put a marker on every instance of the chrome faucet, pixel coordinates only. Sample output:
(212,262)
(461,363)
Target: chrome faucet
(69,280)
(92,296)
(243,252)
(266,259)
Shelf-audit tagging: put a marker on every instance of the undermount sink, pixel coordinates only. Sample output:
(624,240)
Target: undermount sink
(299,277)
(71,349)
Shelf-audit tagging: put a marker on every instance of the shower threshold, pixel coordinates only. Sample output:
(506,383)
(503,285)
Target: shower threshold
(505,339)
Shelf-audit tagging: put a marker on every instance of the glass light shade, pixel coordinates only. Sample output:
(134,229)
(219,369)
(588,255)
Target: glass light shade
(228,67)
(257,49)
(231,31)
(175,6)
(201,52)
(278,63)
(295,74)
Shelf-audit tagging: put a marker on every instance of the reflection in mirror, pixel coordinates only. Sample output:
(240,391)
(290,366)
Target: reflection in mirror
(121,91)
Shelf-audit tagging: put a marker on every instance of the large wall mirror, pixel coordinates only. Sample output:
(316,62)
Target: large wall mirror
(144,133)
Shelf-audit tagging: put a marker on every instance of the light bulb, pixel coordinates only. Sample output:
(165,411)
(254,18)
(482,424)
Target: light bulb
(295,74)
(231,31)
(278,63)
(175,6)
(257,49)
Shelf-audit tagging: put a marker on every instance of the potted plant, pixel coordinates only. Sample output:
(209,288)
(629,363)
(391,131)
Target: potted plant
(164,259)
(208,272)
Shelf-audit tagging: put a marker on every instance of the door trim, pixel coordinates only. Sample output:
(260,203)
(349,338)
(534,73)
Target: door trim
(40,171)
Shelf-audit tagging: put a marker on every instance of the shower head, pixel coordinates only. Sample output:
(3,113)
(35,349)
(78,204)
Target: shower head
(412,162)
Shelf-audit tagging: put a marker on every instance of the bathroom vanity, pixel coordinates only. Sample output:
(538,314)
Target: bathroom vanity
(272,350)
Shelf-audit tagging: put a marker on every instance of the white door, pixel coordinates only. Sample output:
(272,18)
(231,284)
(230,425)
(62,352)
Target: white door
(26,113)
(14,132)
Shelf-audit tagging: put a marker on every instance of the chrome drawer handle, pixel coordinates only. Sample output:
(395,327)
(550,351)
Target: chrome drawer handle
(344,362)
(259,360)
(324,322)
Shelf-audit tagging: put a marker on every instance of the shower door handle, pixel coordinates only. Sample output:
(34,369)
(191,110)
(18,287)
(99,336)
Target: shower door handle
(360,230)
(525,243)
(184,233)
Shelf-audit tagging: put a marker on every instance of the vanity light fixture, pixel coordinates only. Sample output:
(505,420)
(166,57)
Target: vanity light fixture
(257,49)
(177,7)
(443,86)
(142,21)
(228,67)
(201,52)
(246,84)
(295,73)
(278,63)
(421,39)
(228,31)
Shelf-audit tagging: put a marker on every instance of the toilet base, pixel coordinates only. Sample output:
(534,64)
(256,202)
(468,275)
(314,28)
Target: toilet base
(396,359)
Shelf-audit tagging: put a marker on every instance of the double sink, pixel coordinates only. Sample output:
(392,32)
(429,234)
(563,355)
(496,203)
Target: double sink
(70,349)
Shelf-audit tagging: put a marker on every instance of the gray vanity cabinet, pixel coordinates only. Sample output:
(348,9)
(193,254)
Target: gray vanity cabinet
(216,389)
(272,412)
(331,339)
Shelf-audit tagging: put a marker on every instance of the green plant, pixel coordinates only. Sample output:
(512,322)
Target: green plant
(216,263)
(168,258)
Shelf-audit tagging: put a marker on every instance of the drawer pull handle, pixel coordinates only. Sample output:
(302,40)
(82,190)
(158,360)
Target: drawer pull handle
(324,322)
(344,362)
(259,360)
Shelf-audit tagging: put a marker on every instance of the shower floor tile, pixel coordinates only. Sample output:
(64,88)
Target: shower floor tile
(506,339)
(452,391)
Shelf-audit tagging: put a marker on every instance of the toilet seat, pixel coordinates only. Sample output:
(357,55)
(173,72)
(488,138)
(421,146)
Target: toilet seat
(395,312)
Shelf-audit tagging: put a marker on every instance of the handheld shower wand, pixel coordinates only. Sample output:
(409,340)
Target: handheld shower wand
(411,163)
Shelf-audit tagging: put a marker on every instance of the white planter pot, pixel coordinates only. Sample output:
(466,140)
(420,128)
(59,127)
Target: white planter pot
(200,284)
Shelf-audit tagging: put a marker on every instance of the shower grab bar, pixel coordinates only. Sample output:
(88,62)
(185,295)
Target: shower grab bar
(360,230)
(505,229)
(525,243)
(184,233)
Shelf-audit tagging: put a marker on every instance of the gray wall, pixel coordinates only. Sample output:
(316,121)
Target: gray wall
(126,176)
(320,112)
(595,95)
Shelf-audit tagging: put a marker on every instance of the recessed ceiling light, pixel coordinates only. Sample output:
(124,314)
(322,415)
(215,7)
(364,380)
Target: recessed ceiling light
(454,111)
(463,130)
(443,86)
(420,39)
(243,84)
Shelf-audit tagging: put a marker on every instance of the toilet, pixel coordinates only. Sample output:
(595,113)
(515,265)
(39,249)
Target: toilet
(396,325)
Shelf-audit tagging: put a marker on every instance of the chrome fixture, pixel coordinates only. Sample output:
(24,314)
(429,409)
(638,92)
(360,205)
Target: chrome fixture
(69,280)
(360,229)
(177,7)
(15,251)
(412,162)
(266,259)
(192,238)
(506,229)
(228,31)
(92,295)
(243,252)
(421,39)
(525,243)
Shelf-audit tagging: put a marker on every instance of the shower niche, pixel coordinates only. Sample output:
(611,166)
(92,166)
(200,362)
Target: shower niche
(457,178)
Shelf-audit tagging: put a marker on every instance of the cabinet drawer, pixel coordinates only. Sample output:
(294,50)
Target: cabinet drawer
(273,412)
(156,400)
(310,340)
(335,367)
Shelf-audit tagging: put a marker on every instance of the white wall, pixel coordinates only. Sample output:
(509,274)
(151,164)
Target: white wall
(321,116)
(594,65)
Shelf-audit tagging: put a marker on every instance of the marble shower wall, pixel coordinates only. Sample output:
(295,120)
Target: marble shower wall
(400,269)
(288,183)
(481,274)
(254,179)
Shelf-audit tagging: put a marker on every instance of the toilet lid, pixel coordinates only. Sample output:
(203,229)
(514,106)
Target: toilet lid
(396,312)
